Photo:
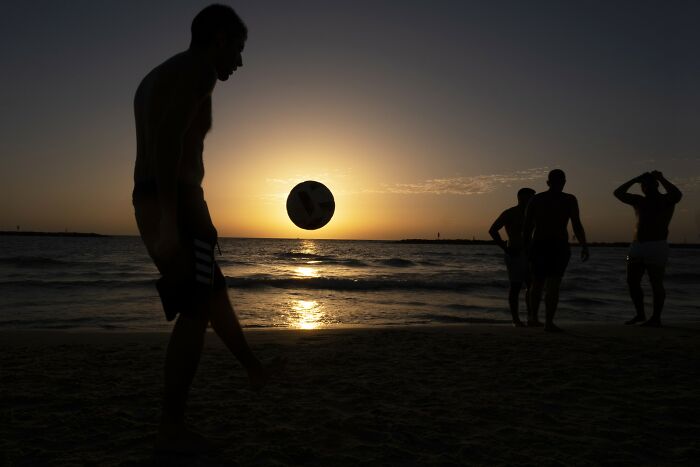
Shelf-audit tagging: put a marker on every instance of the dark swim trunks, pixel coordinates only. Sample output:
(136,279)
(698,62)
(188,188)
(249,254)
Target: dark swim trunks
(189,277)
(549,258)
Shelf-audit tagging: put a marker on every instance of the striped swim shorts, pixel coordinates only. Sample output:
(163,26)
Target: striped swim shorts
(188,278)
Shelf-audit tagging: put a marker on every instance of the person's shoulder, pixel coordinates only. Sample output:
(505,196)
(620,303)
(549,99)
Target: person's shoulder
(511,211)
(535,200)
(185,73)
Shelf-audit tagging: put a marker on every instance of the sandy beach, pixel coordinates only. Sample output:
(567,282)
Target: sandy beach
(450,395)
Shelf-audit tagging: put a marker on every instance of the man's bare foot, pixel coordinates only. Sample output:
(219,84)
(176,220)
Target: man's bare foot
(181,440)
(518,324)
(551,327)
(261,375)
(636,319)
(534,323)
(652,323)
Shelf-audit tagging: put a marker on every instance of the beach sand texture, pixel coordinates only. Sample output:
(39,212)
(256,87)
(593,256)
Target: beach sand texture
(451,395)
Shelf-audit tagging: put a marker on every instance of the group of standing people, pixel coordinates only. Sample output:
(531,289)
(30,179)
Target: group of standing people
(537,251)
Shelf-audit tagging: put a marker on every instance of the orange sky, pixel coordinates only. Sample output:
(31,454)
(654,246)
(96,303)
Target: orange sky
(414,133)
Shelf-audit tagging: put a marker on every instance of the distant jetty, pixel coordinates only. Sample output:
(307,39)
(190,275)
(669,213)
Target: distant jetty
(447,241)
(491,242)
(22,233)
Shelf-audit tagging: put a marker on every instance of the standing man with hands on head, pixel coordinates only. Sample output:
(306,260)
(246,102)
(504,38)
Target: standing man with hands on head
(649,249)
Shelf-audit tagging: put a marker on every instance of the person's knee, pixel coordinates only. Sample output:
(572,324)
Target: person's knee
(658,288)
(552,284)
(197,318)
(219,299)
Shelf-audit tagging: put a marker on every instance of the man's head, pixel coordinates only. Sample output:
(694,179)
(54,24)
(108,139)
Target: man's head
(219,32)
(524,195)
(650,185)
(556,180)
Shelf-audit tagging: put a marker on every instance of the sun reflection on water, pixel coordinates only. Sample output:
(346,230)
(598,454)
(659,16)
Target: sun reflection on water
(308,247)
(306,271)
(306,314)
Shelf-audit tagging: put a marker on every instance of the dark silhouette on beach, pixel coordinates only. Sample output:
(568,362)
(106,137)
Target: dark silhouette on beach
(649,249)
(172,108)
(517,262)
(546,236)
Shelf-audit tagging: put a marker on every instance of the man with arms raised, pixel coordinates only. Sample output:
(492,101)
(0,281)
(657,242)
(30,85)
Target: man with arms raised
(545,232)
(649,249)
(515,256)
(173,114)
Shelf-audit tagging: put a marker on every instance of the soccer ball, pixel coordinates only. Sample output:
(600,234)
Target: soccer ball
(310,205)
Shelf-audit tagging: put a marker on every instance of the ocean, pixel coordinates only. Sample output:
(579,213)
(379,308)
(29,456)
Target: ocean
(107,283)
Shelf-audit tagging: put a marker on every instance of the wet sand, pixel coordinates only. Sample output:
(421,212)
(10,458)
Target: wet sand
(451,395)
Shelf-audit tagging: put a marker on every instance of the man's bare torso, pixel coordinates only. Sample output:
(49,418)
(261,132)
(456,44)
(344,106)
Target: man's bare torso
(653,215)
(514,219)
(164,88)
(551,212)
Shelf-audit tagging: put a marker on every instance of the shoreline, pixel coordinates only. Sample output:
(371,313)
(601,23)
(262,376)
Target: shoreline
(406,241)
(15,337)
(487,323)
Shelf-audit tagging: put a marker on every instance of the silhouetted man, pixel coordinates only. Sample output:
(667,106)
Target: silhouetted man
(649,249)
(515,255)
(545,232)
(172,107)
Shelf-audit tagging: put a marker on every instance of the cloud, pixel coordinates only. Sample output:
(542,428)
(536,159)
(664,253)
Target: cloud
(463,186)
(690,184)
(476,185)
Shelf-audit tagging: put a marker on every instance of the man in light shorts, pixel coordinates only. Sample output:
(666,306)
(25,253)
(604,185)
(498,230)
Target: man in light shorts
(515,257)
(649,249)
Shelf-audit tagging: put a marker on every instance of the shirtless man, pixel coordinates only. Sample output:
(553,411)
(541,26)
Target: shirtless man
(548,215)
(649,249)
(172,108)
(516,259)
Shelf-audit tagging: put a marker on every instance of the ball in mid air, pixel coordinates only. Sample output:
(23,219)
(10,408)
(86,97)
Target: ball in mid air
(310,205)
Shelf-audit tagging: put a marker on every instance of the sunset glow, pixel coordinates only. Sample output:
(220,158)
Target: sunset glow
(414,133)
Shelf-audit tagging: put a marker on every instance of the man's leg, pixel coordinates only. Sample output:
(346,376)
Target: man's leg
(528,285)
(513,301)
(181,361)
(635,271)
(551,302)
(656,277)
(226,325)
(535,298)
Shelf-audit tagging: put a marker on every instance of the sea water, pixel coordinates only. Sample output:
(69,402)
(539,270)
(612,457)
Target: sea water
(88,283)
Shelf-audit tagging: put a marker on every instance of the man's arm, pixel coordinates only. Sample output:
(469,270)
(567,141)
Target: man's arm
(621,191)
(578,228)
(529,222)
(170,136)
(497,225)
(671,190)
